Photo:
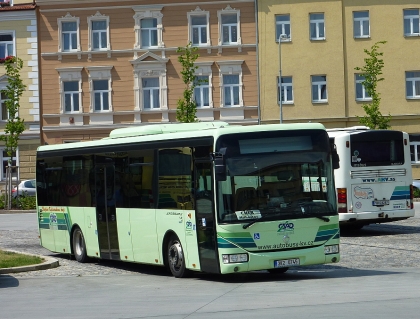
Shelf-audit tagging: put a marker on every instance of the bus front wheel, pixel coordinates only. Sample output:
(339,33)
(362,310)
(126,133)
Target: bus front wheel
(176,260)
(79,246)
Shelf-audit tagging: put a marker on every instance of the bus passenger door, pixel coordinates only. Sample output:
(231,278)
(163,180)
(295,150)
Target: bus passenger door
(106,211)
(205,220)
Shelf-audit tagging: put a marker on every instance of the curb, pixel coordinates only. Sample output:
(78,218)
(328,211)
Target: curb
(17,211)
(48,263)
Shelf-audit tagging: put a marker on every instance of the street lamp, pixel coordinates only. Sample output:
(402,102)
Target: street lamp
(281,37)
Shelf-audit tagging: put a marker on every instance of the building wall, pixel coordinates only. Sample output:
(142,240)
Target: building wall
(337,57)
(301,58)
(58,126)
(23,23)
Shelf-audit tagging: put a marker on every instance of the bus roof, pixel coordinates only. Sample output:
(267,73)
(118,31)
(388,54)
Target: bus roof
(174,131)
(164,128)
(335,132)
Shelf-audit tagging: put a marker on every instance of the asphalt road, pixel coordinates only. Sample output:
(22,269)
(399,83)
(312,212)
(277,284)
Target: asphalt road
(378,277)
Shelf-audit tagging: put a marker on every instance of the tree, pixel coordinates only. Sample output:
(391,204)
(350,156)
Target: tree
(187,106)
(371,71)
(14,125)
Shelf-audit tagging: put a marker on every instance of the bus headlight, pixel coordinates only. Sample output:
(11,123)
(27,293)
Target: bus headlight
(332,249)
(235,258)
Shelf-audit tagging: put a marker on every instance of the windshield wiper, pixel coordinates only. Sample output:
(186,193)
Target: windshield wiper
(325,219)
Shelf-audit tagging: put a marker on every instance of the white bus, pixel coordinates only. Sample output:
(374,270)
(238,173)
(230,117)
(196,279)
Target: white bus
(374,179)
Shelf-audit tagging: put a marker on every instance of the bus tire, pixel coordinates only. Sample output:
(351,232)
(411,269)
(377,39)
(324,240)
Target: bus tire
(176,260)
(79,246)
(277,271)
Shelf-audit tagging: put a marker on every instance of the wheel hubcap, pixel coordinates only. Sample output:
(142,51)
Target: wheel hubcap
(175,255)
(78,240)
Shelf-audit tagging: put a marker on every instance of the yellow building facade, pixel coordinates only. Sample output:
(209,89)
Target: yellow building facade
(322,44)
(18,37)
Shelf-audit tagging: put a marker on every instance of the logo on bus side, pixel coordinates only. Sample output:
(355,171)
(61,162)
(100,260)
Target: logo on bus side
(363,193)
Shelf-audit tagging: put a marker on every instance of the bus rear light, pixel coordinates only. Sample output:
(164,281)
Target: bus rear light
(342,200)
(342,195)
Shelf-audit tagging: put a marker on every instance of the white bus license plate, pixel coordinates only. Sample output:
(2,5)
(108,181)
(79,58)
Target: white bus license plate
(380,202)
(286,263)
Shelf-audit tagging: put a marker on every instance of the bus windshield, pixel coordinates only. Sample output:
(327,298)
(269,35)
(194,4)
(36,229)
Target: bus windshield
(381,148)
(289,180)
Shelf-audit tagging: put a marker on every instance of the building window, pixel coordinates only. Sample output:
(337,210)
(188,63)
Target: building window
(361,25)
(229,26)
(319,88)
(68,33)
(202,91)
(286,89)
(6,45)
(98,32)
(148,27)
(412,84)
(69,36)
(5,161)
(4,111)
(71,96)
(231,85)
(70,89)
(99,35)
(101,95)
(415,152)
(411,22)
(148,32)
(317,26)
(150,84)
(199,29)
(151,92)
(283,27)
(100,84)
(231,90)
(361,94)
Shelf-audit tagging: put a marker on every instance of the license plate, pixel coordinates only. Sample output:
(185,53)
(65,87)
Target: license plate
(286,263)
(380,202)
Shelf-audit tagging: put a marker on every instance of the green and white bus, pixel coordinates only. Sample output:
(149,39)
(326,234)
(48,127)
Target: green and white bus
(207,197)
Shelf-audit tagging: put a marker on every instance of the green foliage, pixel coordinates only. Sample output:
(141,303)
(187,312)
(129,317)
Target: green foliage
(14,89)
(186,106)
(23,202)
(416,193)
(10,259)
(371,71)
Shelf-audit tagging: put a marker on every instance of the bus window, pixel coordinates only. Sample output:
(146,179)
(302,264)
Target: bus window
(174,184)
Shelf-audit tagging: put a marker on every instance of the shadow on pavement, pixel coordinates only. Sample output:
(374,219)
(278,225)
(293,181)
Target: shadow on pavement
(380,230)
(297,274)
(7,281)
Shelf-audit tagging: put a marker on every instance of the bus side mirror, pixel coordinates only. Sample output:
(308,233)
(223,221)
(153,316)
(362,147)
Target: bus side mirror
(220,165)
(335,157)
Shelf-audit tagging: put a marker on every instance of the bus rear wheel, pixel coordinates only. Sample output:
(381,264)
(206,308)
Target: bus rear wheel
(176,260)
(79,246)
